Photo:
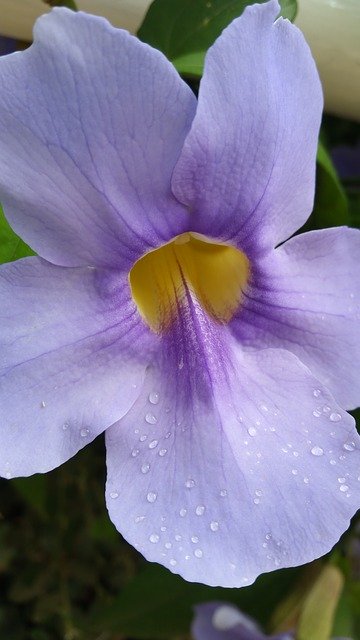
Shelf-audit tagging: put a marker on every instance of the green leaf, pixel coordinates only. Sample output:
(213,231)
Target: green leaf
(331,205)
(317,616)
(11,246)
(158,604)
(70,4)
(182,27)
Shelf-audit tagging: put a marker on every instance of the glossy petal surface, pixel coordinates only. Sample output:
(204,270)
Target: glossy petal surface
(231,466)
(306,298)
(69,368)
(247,169)
(92,122)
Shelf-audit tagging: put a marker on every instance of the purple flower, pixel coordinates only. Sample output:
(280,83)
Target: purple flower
(223,621)
(217,370)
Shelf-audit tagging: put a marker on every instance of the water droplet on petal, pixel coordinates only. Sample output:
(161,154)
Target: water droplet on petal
(84,432)
(139,519)
(317,393)
(153,444)
(183,512)
(200,510)
(151,496)
(223,493)
(214,526)
(349,446)
(162,452)
(344,488)
(135,452)
(114,495)
(190,483)
(143,438)
(153,397)
(150,418)
(178,538)
(154,538)
(145,468)
(42,404)
(317,451)
(198,553)
(173,562)
(256,500)
(252,431)
(194,539)
(335,417)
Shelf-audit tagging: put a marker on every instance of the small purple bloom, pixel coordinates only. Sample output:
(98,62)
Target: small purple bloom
(166,307)
(224,621)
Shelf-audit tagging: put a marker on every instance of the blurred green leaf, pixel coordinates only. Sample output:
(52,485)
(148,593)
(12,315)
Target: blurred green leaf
(158,604)
(182,27)
(70,4)
(33,491)
(324,598)
(11,246)
(330,206)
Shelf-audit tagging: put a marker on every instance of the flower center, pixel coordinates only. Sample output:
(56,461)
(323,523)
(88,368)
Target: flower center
(161,280)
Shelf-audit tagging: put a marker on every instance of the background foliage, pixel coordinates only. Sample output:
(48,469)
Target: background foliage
(65,572)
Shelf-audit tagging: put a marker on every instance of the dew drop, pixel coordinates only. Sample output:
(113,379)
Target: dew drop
(294,472)
(317,451)
(344,488)
(65,426)
(151,496)
(154,538)
(258,492)
(223,493)
(326,408)
(200,510)
(114,495)
(214,526)
(143,438)
(168,545)
(332,461)
(153,444)
(198,553)
(317,393)
(183,513)
(7,475)
(162,452)
(153,397)
(139,519)
(145,468)
(42,404)
(173,562)
(252,431)
(84,432)
(178,538)
(190,483)
(335,417)
(341,480)
(150,418)
(135,452)
(349,446)
(316,413)
(306,480)
(162,528)
(256,500)
(194,539)
(268,536)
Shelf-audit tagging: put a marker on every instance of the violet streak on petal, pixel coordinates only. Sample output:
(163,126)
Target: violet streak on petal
(267,492)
